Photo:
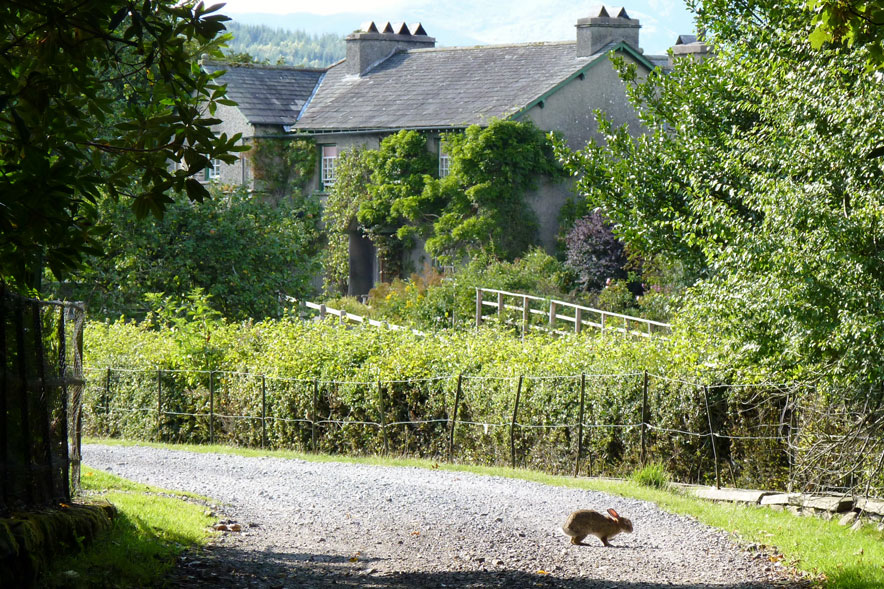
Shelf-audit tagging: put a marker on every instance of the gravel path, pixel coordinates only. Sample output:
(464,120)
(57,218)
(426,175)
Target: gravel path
(308,524)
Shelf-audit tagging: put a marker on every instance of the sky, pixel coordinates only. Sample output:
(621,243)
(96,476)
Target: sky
(456,22)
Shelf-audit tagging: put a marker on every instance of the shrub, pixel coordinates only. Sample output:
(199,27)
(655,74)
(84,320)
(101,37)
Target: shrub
(651,475)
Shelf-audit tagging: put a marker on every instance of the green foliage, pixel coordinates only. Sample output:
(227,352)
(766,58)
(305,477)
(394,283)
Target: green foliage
(263,44)
(851,23)
(653,475)
(431,300)
(282,167)
(396,197)
(400,168)
(98,98)
(761,173)
(352,176)
(476,206)
(238,249)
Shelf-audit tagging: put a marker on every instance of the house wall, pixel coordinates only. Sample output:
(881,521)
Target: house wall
(570,110)
(233,122)
(344,142)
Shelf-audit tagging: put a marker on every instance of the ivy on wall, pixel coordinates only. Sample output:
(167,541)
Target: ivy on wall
(352,176)
(282,167)
(393,195)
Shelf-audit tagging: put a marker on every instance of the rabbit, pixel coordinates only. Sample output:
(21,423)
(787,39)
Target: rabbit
(586,522)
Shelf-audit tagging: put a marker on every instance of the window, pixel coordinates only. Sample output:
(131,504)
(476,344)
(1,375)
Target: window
(327,165)
(213,172)
(246,168)
(444,161)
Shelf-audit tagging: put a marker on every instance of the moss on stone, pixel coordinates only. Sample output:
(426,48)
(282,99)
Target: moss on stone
(29,540)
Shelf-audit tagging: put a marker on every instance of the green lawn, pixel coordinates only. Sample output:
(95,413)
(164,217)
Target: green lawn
(836,556)
(150,530)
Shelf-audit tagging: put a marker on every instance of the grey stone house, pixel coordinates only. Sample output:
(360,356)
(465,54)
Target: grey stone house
(394,77)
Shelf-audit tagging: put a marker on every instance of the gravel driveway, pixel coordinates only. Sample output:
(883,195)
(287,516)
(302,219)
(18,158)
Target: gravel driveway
(307,524)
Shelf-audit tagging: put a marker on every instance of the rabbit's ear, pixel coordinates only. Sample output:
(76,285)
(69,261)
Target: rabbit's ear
(614,514)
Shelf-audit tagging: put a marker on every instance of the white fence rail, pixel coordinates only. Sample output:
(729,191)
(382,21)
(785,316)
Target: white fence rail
(344,316)
(556,312)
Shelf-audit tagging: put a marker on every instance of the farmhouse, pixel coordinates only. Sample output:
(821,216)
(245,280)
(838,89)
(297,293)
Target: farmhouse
(394,77)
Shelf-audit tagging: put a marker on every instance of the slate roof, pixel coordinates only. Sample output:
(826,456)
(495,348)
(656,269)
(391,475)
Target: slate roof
(267,95)
(442,87)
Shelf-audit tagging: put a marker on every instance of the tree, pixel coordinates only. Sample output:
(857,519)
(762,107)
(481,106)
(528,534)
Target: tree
(400,168)
(97,98)
(763,166)
(594,253)
(477,206)
(239,250)
(850,23)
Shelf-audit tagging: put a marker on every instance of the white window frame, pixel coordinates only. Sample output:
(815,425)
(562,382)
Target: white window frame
(444,162)
(213,172)
(328,159)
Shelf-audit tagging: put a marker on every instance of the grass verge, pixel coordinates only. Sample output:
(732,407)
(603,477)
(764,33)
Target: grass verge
(838,557)
(152,527)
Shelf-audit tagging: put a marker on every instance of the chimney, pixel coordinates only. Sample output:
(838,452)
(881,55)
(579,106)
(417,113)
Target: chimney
(609,25)
(689,46)
(372,44)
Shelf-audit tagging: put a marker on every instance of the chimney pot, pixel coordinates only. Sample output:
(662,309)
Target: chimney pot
(596,32)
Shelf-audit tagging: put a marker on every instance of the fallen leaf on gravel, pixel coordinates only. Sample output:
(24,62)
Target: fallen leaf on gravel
(415,533)
(235,528)
(775,557)
(542,572)
(221,527)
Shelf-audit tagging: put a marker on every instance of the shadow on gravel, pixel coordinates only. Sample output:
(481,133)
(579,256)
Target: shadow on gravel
(227,567)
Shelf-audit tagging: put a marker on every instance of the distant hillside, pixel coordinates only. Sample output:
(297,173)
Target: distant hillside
(280,46)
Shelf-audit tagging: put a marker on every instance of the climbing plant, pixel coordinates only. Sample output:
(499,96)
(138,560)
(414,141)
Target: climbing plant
(476,206)
(352,176)
(282,167)
(393,194)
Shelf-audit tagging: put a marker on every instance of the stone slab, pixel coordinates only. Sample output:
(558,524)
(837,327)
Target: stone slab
(875,506)
(779,499)
(730,495)
(833,503)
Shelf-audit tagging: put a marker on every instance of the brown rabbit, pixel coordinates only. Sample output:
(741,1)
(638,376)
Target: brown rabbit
(586,522)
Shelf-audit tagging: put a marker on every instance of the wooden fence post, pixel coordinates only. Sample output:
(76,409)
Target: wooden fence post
(322,312)
(580,425)
(313,420)
(263,411)
(712,438)
(578,319)
(591,432)
(500,307)
(513,423)
(454,418)
(159,405)
(478,307)
(107,402)
(383,418)
(552,315)
(644,416)
(211,407)
(602,320)
(526,316)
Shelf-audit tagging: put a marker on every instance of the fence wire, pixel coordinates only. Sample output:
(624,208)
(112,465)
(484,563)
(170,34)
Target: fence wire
(762,436)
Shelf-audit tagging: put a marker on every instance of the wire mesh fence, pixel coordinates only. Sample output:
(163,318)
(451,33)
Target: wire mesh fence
(765,435)
(40,395)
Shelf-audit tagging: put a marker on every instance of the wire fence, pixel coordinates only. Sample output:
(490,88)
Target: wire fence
(786,436)
(41,383)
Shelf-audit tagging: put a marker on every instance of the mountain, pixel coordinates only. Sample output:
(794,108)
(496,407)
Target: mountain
(343,24)
(277,45)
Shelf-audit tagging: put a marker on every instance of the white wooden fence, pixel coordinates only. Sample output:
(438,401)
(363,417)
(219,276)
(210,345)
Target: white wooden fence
(557,312)
(344,316)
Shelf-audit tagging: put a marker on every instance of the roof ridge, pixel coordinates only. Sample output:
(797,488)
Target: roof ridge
(497,46)
(262,66)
